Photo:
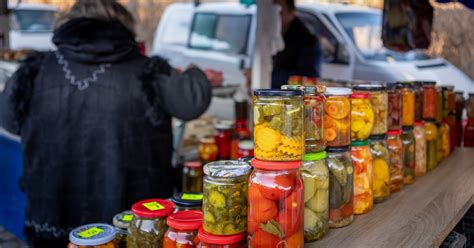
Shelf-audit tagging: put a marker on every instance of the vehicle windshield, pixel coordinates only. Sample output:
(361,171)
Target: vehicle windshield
(365,30)
(34,20)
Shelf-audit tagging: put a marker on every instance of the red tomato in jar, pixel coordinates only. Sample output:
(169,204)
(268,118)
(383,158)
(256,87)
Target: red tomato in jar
(275,187)
(348,209)
(263,239)
(294,202)
(254,193)
(184,246)
(252,225)
(262,210)
(335,214)
(168,243)
(290,221)
(295,241)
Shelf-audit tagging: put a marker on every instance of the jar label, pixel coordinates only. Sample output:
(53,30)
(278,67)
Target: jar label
(192,197)
(153,206)
(127,217)
(91,232)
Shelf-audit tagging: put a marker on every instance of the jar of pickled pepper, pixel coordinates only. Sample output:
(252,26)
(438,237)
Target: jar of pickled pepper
(408,141)
(223,138)
(394,107)
(149,224)
(337,118)
(315,175)
(395,148)
(362,162)
(192,176)
(225,197)
(408,103)
(187,201)
(362,116)
(278,125)
(430,100)
(92,236)
(121,223)
(418,90)
(459,117)
(420,148)
(381,161)
(183,229)
(431,134)
(214,241)
(208,150)
(276,205)
(379,101)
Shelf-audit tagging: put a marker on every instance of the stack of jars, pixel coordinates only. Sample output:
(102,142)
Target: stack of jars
(449,115)
(443,127)
(419,131)
(429,113)
(469,129)
(408,120)
(459,117)
(275,193)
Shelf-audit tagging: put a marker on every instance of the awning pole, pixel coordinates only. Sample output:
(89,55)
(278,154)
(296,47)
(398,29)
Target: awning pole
(262,61)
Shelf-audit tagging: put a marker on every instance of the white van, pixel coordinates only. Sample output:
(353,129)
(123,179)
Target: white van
(222,36)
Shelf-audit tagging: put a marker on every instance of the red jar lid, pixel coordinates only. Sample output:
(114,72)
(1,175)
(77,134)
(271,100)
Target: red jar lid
(193,164)
(153,208)
(419,123)
(185,220)
(220,240)
(360,96)
(397,132)
(269,165)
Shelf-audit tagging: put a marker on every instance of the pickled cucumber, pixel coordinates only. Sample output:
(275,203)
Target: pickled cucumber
(217,199)
(335,201)
(309,187)
(311,220)
(339,171)
(273,109)
(319,203)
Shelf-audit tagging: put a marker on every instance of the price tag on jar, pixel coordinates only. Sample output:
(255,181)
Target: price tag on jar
(192,197)
(91,232)
(153,206)
(127,217)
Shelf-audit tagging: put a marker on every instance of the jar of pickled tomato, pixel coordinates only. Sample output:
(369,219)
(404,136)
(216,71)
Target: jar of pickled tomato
(431,134)
(337,118)
(276,205)
(395,148)
(420,148)
(187,201)
(430,100)
(379,100)
(183,229)
(225,197)
(362,116)
(192,176)
(418,90)
(208,150)
(341,178)
(363,176)
(408,141)
(121,223)
(394,107)
(278,125)
(408,104)
(443,141)
(92,236)
(208,240)
(223,138)
(381,161)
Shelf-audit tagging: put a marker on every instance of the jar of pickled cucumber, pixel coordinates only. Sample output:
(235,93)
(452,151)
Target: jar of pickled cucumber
(379,101)
(121,223)
(149,224)
(362,162)
(362,116)
(420,148)
(341,208)
(408,103)
(276,205)
(431,134)
(408,140)
(278,125)
(183,229)
(337,118)
(92,236)
(208,240)
(381,161)
(443,141)
(188,201)
(394,107)
(192,176)
(430,100)
(395,149)
(225,197)
(315,175)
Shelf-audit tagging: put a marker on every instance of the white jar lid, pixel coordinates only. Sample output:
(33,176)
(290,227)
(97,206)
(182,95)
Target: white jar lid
(338,91)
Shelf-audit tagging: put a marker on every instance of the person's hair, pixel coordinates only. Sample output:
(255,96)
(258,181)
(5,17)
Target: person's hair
(107,10)
(291,5)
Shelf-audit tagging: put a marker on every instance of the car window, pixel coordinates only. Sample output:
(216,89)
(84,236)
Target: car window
(202,31)
(33,20)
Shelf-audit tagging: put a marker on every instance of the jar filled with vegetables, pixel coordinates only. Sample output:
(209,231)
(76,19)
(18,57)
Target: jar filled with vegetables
(381,161)
(395,148)
(208,240)
(188,201)
(408,104)
(418,90)
(315,176)
(278,120)
(443,141)
(459,117)
(408,141)
(379,101)
(223,138)
(449,99)
(225,197)
(149,224)
(246,148)
(394,107)
(183,229)
(362,116)
(208,150)
(276,205)
(451,121)
(430,100)
(420,148)
(337,118)
(121,223)
(363,176)
(192,176)
(439,106)
(469,129)
(341,176)
(431,134)
(92,236)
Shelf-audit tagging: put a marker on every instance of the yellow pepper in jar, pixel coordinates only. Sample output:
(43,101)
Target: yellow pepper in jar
(362,116)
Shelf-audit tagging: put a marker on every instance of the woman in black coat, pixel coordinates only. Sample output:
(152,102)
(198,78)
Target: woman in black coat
(95,122)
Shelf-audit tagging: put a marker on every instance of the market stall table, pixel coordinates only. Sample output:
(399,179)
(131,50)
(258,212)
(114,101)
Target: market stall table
(421,215)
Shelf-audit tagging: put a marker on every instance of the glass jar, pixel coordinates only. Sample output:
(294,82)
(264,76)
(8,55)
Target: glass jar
(420,148)
(245,149)
(315,175)
(449,100)
(379,101)
(223,138)
(408,141)
(381,161)
(451,121)
(212,241)
(408,104)
(431,134)
(439,106)
(395,148)
(121,223)
(363,176)
(183,229)
(208,150)
(470,106)
(225,197)
(278,120)
(459,116)
(430,100)
(276,205)
(469,133)
(394,107)
(187,201)
(443,141)
(341,178)
(149,224)
(417,89)
(92,236)
(362,116)
(337,118)
(192,176)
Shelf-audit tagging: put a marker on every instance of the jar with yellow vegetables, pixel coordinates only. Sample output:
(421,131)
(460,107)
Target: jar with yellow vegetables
(443,141)
(381,161)
(408,103)
(363,176)
(395,148)
(337,117)
(92,236)
(278,125)
(431,134)
(362,116)
(379,100)
(420,148)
